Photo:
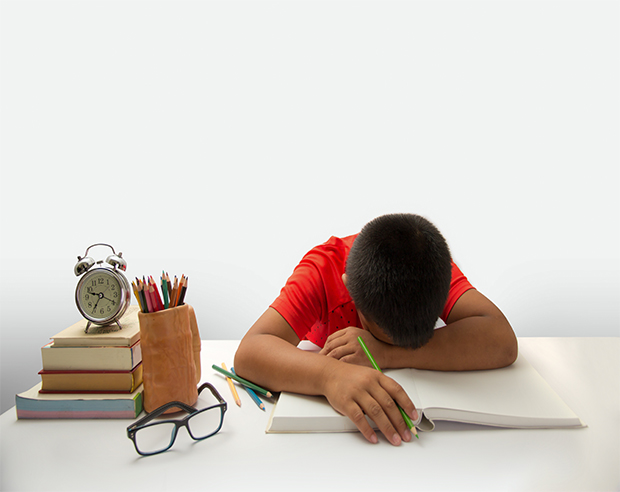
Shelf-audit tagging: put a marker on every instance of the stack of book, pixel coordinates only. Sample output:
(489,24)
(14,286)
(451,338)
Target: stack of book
(88,375)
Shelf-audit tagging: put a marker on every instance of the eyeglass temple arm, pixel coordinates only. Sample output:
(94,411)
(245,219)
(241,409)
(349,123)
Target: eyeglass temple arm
(213,391)
(179,404)
(158,411)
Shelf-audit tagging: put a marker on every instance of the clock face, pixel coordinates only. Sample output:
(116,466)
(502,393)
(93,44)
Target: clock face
(99,295)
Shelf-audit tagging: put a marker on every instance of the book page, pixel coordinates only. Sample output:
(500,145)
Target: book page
(511,396)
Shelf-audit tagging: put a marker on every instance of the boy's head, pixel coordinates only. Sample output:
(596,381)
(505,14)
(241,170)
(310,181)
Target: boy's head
(398,274)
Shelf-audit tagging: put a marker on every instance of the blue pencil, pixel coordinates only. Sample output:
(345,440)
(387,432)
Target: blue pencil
(250,391)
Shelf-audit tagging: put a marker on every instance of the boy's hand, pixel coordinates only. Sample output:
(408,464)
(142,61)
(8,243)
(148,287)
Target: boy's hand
(343,345)
(357,391)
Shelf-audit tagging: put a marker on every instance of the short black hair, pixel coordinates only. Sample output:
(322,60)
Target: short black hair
(398,275)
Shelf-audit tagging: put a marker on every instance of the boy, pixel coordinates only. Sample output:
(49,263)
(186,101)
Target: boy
(388,284)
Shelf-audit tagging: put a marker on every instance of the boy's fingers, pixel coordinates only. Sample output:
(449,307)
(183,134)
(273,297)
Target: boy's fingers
(384,418)
(338,339)
(369,406)
(331,344)
(338,352)
(400,396)
(359,392)
(393,416)
(357,416)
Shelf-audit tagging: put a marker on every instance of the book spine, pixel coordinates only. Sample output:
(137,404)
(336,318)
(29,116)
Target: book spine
(91,381)
(34,414)
(123,408)
(96,358)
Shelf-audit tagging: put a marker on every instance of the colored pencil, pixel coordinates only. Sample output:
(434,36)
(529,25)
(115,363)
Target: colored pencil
(175,289)
(232,388)
(154,303)
(245,382)
(406,417)
(164,289)
(169,284)
(181,282)
(151,300)
(182,294)
(137,294)
(159,305)
(250,392)
(147,295)
(145,308)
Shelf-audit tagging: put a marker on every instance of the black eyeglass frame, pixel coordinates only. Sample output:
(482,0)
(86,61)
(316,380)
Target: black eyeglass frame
(181,422)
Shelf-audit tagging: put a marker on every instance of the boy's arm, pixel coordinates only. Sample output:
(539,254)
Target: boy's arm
(476,336)
(268,355)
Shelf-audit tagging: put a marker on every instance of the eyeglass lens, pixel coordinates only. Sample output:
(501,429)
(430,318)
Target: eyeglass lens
(206,423)
(155,437)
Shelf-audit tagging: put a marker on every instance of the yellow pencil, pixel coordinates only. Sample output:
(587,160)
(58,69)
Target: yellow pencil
(135,293)
(232,387)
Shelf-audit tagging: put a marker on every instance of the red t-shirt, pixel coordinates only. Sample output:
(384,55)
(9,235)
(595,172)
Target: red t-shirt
(315,301)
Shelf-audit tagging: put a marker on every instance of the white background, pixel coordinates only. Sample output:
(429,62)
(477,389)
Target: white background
(222,140)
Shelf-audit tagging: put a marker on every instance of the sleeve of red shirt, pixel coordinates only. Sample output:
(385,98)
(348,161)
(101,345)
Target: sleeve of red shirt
(458,285)
(302,301)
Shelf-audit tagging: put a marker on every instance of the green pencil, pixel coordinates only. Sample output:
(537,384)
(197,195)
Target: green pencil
(406,417)
(164,289)
(242,381)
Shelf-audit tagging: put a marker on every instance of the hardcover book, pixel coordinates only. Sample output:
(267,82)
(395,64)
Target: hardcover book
(32,404)
(91,381)
(95,358)
(110,335)
(515,396)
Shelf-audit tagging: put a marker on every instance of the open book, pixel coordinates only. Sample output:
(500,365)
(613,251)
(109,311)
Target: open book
(515,396)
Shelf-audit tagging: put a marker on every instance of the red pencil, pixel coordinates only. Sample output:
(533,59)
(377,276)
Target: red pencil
(159,304)
(147,296)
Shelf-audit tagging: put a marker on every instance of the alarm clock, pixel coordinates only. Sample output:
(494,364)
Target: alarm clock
(103,293)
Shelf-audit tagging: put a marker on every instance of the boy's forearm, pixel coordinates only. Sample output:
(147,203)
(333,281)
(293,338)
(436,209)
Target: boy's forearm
(268,355)
(279,366)
(473,343)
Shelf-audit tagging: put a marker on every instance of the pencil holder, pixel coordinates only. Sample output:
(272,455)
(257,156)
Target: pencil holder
(170,356)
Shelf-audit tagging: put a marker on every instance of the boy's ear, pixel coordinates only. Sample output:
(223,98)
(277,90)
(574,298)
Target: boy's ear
(344,279)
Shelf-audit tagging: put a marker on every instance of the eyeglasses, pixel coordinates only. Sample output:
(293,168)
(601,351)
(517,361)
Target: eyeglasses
(152,437)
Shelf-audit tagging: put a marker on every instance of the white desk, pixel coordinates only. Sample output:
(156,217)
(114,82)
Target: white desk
(96,454)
